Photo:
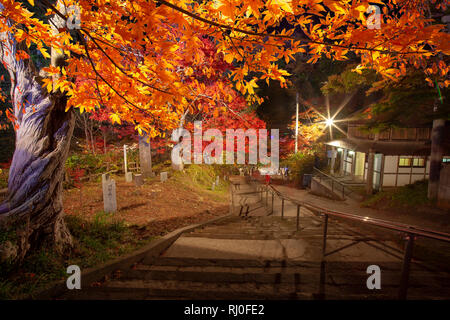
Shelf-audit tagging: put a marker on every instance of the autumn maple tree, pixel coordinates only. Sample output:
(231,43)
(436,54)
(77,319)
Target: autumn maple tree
(135,57)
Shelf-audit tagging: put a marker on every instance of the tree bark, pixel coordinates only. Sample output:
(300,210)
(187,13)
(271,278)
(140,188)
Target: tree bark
(91,135)
(34,203)
(105,136)
(437,151)
(86,132)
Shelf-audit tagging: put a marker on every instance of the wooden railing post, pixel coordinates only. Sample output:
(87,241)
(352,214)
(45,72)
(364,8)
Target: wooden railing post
(272,203)
(325,231)
(406,267)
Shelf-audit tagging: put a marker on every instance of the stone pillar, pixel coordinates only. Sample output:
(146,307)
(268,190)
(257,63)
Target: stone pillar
(437,135)
(145,156)
(138,180)
(109,194)
(129,177)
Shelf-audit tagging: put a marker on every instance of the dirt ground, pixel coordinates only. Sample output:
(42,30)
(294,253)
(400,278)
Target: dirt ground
(162,206)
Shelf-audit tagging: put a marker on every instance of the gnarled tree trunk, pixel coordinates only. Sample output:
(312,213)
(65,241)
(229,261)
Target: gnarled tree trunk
(43,132)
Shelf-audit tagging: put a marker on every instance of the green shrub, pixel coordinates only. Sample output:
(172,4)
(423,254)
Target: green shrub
(299,164)
(89,162)
(409,196)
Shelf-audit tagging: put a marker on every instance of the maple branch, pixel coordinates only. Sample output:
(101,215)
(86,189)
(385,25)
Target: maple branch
(108,84)
(262,34)
(219,25)
(120,68)
(57,12)
(226,106)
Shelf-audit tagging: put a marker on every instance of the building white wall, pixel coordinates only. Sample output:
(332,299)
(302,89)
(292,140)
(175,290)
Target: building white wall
(390,178)
(405,175)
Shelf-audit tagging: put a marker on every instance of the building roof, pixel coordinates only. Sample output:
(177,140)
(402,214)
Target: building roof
(418,148)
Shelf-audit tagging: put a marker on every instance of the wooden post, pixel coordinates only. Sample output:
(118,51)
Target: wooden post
(342,164)
(383,159)
(396,173)
(333,159)
(125,158)
(370,165)
(411,170)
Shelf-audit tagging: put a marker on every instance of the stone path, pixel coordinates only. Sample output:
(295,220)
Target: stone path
(265,257)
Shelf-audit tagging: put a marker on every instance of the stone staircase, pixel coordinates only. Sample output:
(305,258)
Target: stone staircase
(262,257)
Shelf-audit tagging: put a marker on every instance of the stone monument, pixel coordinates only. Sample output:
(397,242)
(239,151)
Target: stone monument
(109,194)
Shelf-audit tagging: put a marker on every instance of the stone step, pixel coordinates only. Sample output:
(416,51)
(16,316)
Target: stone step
(219,275)
(278,275)
(301,231)
(169,289)
(239,263)
(241,236)
(239,231)
(255,263)
(138,289)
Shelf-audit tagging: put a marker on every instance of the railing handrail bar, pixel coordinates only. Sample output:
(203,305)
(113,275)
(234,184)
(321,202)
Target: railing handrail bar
(411,231)
(395,226)
(344,187)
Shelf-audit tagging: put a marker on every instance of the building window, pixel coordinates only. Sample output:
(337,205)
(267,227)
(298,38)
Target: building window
(446,160)
(419,162)
(404,162)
